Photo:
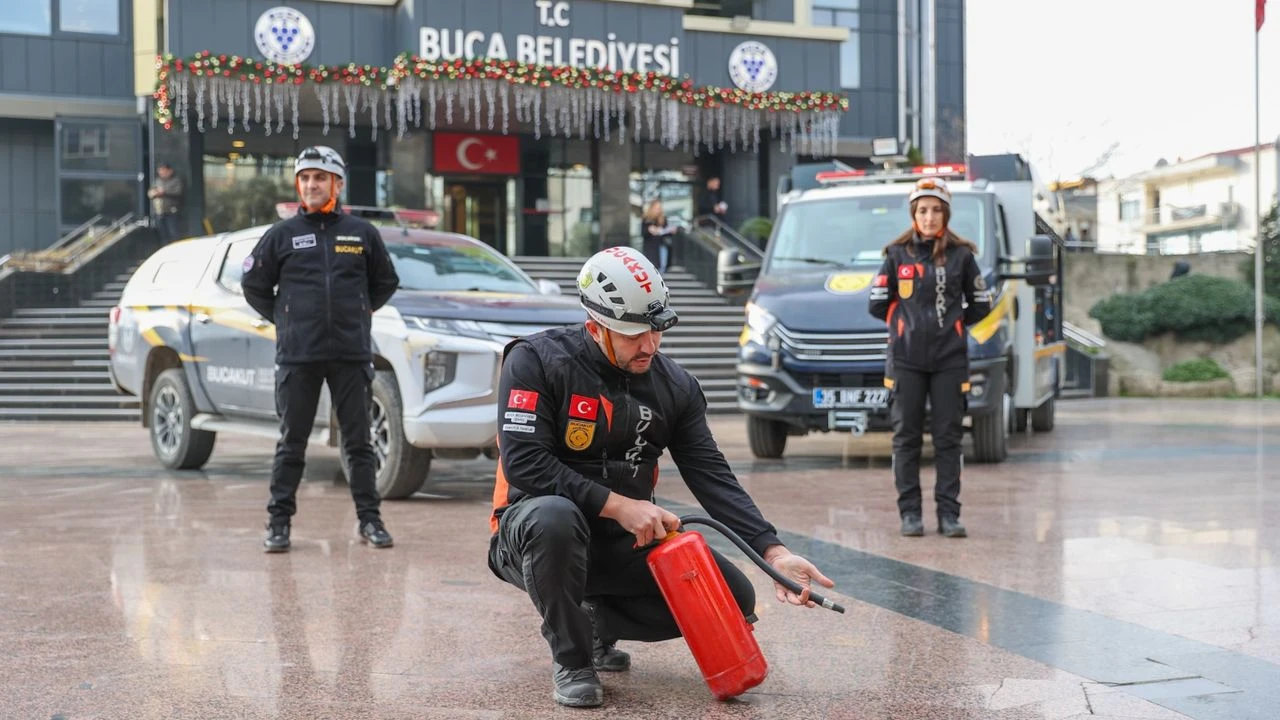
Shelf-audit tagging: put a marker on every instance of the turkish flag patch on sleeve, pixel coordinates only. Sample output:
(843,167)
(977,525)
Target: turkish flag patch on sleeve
(583,407)
(906,272)
(523,400)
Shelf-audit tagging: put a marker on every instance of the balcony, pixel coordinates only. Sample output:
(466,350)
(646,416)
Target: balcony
(1208,216)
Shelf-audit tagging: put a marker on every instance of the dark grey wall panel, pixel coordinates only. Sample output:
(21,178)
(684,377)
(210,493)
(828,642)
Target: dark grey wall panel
(776,10)
(13,65)
(54,65)
(341,29)
(951,89)
(873,106)
(802,64)
(27,189)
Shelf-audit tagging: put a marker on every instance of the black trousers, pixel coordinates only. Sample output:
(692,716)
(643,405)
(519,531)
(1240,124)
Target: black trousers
(545,547)
(944,392)
(169,227)
(297,395)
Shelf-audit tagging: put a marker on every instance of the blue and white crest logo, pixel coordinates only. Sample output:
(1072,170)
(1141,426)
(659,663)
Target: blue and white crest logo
(285,36)
(753,67)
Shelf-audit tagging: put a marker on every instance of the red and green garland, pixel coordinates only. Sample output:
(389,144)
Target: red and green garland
(794,113)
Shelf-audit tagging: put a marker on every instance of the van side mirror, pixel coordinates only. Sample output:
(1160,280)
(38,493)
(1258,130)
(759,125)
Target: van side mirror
(1038,268)
(784,184)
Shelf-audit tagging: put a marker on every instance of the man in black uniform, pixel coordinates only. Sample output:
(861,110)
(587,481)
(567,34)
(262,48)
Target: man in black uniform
(585,412)
(319,276)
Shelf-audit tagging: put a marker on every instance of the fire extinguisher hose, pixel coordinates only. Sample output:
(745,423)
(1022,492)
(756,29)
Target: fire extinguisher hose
(785,581)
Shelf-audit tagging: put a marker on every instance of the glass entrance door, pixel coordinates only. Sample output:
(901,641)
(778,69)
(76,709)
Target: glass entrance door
(477,209)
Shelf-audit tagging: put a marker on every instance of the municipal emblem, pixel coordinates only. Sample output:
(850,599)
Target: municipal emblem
(848,283)
(979,283)
(579,434)
(753,67)
(906,280)
(284,35)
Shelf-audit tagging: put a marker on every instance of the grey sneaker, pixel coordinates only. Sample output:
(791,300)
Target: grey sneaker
(912,525)
(277,540)
(577,687)
(950,527)
(375,533)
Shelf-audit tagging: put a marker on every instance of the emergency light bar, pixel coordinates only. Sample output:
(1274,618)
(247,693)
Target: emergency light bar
(410,218)
(838,177)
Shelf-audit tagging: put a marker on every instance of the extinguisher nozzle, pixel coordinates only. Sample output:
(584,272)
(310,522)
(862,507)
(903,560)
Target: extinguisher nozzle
(828,604)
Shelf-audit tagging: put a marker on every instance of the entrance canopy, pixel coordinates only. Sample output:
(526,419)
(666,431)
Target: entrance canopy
(208,90)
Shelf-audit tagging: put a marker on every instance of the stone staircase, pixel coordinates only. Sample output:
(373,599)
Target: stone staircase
(53,362)
(706,340)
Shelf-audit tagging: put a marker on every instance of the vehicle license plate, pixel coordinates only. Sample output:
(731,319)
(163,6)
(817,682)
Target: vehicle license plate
(850,397)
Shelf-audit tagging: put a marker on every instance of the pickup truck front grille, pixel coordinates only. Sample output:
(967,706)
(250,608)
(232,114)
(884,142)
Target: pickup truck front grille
(834,347)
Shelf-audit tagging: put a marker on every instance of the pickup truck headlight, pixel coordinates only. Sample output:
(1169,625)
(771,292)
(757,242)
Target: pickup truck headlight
(758,326)
(439,369)
(448,326)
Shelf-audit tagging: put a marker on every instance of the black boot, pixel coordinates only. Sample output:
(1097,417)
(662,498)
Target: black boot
(605,656)
(277,540)
(912,525)
(375,533)
(950,526)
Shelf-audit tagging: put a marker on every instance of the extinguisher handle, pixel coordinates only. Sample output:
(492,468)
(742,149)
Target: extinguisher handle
(778,577)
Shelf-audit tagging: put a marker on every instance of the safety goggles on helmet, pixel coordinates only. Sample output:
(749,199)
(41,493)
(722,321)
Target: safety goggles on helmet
(319,157)
(931,187)
(658,317)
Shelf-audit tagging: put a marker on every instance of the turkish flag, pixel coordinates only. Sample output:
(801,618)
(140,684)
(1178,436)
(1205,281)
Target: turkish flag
(463,154)
(1260,14)
(583,407)
(523,400)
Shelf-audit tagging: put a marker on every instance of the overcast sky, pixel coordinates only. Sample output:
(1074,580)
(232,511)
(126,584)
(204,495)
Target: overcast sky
(1061,80)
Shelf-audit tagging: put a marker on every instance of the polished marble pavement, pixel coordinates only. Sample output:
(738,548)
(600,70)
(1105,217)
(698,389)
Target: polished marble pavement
(1122,566)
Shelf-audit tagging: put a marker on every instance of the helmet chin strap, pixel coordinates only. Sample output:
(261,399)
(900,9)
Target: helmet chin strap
(329,205)
(608,346)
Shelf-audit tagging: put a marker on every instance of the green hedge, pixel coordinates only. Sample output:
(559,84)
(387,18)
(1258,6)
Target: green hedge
(1198,370)
(1194,307)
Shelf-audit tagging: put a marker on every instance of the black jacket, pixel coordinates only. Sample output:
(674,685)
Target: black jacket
(319,277)
(926,333)
(571,424)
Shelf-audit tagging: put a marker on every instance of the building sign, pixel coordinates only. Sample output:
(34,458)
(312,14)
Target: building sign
(753,67)
(610,53)
(465,154)
(284,35)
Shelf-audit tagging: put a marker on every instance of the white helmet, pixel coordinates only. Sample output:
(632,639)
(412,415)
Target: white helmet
(931,187)
(622,290)
(321,157)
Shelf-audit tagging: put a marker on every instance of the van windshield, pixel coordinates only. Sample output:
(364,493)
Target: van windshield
(852,232)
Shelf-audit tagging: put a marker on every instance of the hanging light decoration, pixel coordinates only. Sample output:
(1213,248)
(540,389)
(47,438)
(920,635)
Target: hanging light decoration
(565,100)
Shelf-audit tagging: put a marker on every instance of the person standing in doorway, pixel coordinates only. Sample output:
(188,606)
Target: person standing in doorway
(166,203)
(928,290)
(319,276)
(656,235)
(711,202)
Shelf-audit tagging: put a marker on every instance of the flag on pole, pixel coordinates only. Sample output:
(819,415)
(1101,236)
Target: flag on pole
(1260,13)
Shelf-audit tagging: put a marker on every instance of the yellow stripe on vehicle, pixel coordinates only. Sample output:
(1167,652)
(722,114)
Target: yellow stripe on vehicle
(1054,349)
(152,337)
(987,326)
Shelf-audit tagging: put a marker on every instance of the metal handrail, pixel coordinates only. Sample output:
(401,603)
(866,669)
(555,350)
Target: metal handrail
(65,256)
(79,230)
(723,231)
(1082,337)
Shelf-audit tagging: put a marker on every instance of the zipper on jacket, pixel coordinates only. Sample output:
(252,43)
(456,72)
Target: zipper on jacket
(328,291)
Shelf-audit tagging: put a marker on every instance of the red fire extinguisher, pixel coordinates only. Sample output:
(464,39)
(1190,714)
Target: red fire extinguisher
(719,637)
